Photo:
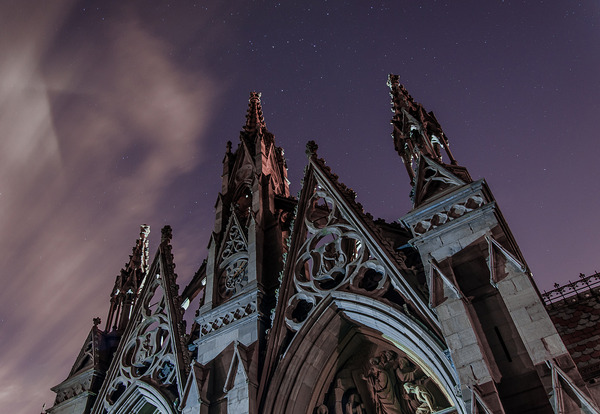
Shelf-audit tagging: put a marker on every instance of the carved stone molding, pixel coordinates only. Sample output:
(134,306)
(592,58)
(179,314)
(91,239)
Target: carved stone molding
(452,212)
(227,314)
(74,389)
(227,318)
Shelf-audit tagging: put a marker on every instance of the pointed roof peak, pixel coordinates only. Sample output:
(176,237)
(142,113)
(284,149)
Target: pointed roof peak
(311,149)
(400,96)
(416,132)
(255,121)
(166,234)
(139,257)
(129,279)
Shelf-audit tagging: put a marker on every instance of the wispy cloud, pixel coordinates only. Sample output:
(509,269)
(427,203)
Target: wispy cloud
(111,118)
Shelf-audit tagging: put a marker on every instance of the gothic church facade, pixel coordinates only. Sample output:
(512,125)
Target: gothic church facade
(311,306)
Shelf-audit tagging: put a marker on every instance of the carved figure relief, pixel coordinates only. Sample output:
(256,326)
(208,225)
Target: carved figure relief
(334,254)
(387,382)
(423,396)
(384,387)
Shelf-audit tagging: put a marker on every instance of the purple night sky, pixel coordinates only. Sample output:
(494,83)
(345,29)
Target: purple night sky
(115,115)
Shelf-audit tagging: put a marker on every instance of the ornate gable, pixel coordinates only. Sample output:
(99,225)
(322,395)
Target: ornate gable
(433,180)
(336,249)
(336,245)
(151,352)
(89,356)
(85,379)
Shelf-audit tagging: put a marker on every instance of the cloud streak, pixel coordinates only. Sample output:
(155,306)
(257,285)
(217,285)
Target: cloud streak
(116,123)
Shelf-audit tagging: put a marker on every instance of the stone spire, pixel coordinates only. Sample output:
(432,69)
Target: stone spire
(255,133)
(128,283)
(255,121)
(416,132)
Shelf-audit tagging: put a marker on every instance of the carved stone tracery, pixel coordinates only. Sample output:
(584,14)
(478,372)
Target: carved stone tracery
(149,352)
(235,243)
(334,255)
(234,261)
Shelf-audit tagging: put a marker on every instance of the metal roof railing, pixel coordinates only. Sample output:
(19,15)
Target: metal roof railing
(573,291)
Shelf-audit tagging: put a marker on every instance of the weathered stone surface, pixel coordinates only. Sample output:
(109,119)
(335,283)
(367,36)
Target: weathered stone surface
(311,306)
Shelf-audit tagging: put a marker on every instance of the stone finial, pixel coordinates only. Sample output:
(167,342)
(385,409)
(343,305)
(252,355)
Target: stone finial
(311,148)
(415,131)
(144,231)
(255,122)
(228,147)
(97,321)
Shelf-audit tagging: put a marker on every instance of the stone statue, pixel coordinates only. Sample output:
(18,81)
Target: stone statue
(423,396)
(355,405)
(384,387)
(396,385)
(322,409)
(407,371)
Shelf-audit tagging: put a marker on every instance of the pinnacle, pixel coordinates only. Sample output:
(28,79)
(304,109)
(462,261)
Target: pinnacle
(311,148)
(166,234)
(130,277)
(255,122)
(144,231)
(416,132)
(400,96)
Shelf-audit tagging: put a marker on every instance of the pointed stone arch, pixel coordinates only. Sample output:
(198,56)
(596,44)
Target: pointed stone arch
(341,324)
(142,398)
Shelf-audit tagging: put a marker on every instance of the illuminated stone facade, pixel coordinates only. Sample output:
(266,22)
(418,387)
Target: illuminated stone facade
(310,306)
